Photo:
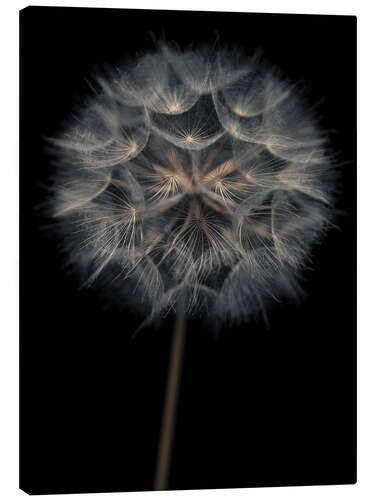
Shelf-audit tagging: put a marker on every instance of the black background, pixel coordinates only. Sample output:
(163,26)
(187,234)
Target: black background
(258,407)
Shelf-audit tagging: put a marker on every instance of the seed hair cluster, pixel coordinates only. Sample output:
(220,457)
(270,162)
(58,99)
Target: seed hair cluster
(195,178)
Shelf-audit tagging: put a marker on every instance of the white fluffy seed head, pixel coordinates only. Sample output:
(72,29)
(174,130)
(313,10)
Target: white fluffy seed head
(198,177)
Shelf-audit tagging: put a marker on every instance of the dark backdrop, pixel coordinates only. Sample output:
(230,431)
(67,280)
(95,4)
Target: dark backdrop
(258,407)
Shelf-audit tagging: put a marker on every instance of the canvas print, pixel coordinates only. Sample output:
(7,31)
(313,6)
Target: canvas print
(187,250)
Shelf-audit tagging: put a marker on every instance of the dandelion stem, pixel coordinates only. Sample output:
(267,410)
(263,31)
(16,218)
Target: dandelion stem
(170,404)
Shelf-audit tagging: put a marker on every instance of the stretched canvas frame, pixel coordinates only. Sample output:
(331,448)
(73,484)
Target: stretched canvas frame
(261,402)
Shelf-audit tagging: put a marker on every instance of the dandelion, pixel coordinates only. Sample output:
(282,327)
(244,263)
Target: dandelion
(201,177)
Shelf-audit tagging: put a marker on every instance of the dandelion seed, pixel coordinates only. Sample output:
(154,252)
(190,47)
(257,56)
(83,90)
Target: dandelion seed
(202,179)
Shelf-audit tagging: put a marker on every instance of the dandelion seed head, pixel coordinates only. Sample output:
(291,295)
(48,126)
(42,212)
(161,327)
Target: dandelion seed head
(199,177)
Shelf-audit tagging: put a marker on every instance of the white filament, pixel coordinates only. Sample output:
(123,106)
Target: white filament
(201,177)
